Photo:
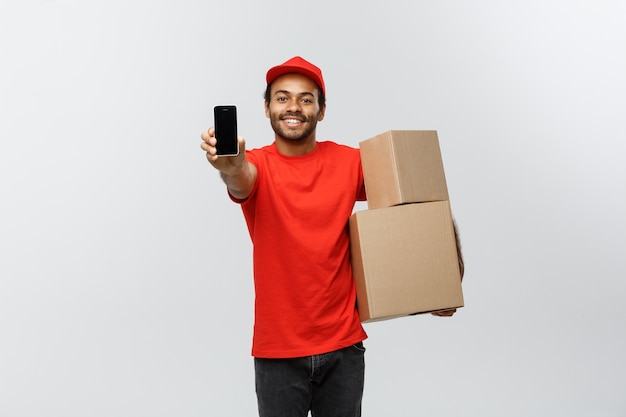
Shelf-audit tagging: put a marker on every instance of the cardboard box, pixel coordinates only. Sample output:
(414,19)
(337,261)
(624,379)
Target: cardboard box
(403,166)
(404,260)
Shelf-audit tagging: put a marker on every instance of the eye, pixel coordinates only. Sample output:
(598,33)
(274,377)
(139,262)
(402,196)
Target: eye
(281,99)
(307,100)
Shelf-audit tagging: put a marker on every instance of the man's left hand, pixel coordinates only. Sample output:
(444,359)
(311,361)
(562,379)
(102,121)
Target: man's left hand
(444,313)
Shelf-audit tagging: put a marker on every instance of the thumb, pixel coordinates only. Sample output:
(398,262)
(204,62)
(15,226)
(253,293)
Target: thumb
(241,155)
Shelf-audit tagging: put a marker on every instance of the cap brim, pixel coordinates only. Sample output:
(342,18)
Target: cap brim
(281,70)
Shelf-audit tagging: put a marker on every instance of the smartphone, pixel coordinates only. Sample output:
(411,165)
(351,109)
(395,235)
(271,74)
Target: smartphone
(226,130)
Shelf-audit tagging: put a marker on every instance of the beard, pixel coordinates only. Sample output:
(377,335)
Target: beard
(300,133)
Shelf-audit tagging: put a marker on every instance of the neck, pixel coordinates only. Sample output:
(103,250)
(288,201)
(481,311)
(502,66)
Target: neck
(300,147)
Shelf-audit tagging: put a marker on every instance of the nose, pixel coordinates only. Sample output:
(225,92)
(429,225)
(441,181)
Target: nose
(294,106)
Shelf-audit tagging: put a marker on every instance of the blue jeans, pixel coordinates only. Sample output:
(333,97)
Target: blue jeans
(329,385)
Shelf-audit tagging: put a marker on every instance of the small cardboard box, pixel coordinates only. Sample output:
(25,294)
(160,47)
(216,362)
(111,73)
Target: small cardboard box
(404,260)
(403,166)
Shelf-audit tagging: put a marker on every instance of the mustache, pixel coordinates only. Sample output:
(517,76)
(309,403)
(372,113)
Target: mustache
(296,116)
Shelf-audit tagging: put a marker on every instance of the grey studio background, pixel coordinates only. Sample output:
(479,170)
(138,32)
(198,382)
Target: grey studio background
(125,271)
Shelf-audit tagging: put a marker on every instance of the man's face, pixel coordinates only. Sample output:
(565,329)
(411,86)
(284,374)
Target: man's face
(293,108)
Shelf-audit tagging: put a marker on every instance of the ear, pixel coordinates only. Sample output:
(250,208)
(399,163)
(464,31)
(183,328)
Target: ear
(267,109)
(320,117)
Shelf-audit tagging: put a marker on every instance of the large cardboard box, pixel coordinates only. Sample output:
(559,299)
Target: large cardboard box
(403,166)
(404,260)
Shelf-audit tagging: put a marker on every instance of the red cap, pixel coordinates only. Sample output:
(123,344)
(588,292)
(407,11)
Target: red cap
(297,65)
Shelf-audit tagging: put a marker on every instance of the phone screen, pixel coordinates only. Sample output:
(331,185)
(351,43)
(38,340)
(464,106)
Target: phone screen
(226,130)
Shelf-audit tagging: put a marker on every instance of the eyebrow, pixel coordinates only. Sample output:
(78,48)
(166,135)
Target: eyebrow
(304,93)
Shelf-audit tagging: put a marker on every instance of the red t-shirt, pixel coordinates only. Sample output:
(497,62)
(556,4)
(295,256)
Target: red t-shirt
(297,216)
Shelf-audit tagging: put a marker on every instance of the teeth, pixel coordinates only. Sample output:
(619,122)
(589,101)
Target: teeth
(292,121)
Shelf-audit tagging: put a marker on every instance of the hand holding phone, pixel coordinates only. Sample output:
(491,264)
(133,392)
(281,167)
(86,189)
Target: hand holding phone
(226,130)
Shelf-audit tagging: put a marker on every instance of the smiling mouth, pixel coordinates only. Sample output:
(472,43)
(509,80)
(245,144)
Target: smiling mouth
(292,121)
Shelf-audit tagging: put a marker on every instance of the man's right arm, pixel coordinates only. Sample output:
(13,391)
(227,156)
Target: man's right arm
(238,174)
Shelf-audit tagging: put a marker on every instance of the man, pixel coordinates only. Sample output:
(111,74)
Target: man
(297,195)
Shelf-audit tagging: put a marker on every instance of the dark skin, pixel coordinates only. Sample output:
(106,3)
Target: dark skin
(293,109)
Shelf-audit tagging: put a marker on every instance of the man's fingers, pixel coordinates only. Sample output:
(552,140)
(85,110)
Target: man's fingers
(208,145)
(445,313)
(208,142)
(209,136)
